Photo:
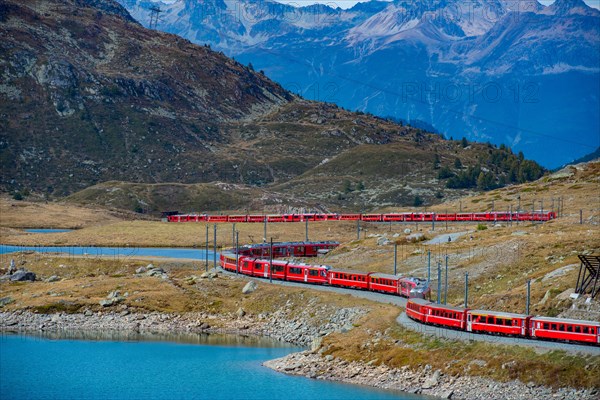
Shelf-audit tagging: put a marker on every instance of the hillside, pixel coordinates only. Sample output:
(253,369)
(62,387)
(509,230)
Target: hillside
(514,72)
(92,97)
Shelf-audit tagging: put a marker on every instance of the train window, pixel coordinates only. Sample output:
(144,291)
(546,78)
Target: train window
(553,327)
(278,268)
(295,270)
(592,331)
(245,264)
(313,272)
(546,325)
(561,327)
(585,329)
(577,329)
(569,328)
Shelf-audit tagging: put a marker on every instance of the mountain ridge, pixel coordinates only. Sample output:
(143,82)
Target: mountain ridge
(92,97)
(436,45)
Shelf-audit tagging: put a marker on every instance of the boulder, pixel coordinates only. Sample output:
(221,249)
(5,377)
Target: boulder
(22,276)
(432,381)
(5,301)
(383,241)
(240,312)
(53,278)
(112,299)
(415,237)
(250,287)
(141,270)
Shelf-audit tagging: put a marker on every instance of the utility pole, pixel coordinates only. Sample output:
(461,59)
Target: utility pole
(154,16)
(206,252)
(446,282)
(439,283)
(306,230)
(271,262)
(528,296)
(428,266)
(433,222)
(237,252)
(395,256)
(265,231)
(358,229)
(466,289)
(215,247)
(233,234)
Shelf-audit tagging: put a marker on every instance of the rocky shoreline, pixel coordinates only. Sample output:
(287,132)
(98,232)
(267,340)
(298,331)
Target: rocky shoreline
(424,381)
(299,330)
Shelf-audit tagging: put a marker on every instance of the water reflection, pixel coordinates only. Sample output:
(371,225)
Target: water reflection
(130,336)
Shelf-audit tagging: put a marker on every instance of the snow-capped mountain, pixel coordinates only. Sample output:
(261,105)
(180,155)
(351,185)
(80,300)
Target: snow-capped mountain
(507,71)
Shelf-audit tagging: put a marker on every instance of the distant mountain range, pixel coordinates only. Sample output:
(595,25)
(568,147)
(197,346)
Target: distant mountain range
(90,97)
(504,71)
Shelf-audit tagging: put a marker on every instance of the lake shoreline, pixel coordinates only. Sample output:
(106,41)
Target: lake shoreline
(310,363)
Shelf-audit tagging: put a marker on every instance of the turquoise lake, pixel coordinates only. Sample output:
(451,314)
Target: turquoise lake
(197,367)
(117,252)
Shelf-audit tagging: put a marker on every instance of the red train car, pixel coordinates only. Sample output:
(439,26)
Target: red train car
(496,322)
(256,218)
(349,279)
(275,218)
(565,329)
(292,217)
(217,218)
(307,273)
(383,283)
(439,314)
(349,217)
(228,262)
(416,309)
(371,217)
(393,217)
(238,218)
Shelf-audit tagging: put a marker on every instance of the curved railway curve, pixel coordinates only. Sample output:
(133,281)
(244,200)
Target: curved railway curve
(255,256)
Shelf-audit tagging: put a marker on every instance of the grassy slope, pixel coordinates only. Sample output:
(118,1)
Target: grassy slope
(497,268)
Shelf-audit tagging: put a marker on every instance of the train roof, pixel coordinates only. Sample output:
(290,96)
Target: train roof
(349,271)
(279,244)
(447,307)
(566,321)
(386,276)
(498,313)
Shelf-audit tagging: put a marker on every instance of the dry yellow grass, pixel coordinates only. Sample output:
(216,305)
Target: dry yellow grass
(28,214)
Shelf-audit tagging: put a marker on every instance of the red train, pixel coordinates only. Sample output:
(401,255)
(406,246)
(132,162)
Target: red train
(502,323)
(254,260)
(395,217)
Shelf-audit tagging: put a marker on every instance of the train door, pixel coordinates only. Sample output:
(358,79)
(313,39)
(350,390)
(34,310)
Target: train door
(305,274)
(469,329)
(266,267)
